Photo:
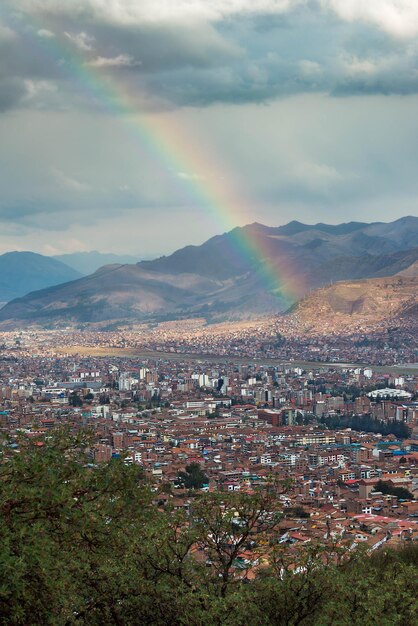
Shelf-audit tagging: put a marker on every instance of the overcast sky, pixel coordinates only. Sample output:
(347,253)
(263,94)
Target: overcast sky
(139,126)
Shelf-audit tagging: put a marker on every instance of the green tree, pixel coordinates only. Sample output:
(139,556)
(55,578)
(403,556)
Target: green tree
(226,526)
(89,545)
(75,400)
(401,492)
(193,477)
(63,528)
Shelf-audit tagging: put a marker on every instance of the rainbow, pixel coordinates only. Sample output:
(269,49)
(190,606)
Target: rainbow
(174,148)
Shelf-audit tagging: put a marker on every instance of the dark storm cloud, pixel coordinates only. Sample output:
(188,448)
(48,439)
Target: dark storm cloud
(235,52)
(204,68)
(157,48)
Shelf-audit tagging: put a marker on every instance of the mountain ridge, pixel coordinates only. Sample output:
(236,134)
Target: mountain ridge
(216,280)
(88,262)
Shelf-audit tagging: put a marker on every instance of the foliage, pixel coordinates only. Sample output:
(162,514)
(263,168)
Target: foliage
(193,477)
(88,545)
(298,512)
(75,400)
(401,492)
(63,526)
(366,423)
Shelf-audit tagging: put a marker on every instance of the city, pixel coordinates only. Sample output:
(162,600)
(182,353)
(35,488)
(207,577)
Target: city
(335,432)
(208,313)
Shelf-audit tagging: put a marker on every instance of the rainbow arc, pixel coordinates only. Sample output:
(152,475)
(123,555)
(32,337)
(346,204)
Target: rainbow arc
(174,148)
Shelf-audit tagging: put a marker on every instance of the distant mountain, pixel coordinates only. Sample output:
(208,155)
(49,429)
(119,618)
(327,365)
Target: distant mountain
(88,262)
(21,272)
(364,266)
(246,272)
(305,246)
(217,258)
(114,292)
(293,228)
(411,270)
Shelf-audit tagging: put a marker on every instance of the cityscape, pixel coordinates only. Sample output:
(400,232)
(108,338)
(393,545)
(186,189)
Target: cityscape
(208,313)
(334,430)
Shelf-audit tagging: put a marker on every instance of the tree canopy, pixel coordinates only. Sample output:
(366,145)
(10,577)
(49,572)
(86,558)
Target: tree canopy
(401,492)
(193,477)
(92,544)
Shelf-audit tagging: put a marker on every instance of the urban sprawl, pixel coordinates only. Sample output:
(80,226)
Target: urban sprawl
(342,438)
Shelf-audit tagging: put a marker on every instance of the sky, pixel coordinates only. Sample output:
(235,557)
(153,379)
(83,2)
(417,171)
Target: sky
(141,126)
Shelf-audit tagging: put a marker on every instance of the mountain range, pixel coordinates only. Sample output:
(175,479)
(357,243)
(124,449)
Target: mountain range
(23,272)
(226,278)
(88,262)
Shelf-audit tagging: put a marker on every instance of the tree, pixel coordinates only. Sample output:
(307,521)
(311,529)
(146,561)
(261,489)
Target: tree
(89,545)
(75,400)
(61,530)
(400,492)
(193,477)
(225,526)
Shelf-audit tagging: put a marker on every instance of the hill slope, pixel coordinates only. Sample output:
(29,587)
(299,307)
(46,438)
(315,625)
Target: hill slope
(364,266)
(358,304)
(300,255)
(114,292)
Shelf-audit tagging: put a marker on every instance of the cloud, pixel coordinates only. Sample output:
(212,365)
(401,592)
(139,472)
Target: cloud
(12,93)
(315,176)
(121,60)
(82,41)
(309,68)
(203,52)
(89,177)
(128,13)
(45,33)
(73,164)
(64,246)
(6,33)
(69,182)
(35,88)
(189,177)
(398,18)
(359,67)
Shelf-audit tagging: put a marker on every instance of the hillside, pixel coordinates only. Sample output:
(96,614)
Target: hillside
(22,272)
(247,272)
(410,270)
(357,304)
(114,292)
(364,266)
